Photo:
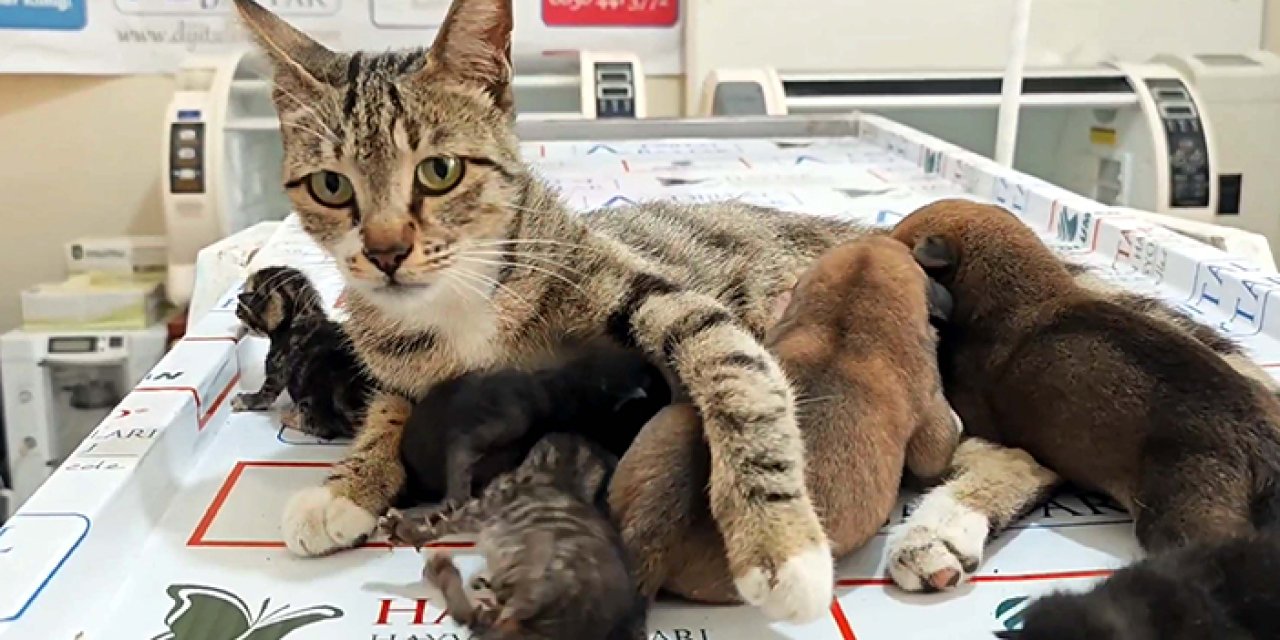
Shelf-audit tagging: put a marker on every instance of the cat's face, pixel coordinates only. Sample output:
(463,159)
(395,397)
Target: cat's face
(403,165)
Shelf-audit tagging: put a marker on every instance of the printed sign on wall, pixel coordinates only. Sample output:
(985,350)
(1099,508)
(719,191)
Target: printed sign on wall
(154,36)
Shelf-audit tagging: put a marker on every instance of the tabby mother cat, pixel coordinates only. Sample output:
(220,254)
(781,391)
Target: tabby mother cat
(405,167)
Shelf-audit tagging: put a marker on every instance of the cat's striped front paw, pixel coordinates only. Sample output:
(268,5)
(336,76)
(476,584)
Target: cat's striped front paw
(799,589)
(318,522)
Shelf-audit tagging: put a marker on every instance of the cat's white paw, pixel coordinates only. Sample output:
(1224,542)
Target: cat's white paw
(939,546)
(801,590)
(317,522)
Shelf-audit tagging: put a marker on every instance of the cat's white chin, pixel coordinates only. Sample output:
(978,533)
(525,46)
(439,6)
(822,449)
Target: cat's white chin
(459,313)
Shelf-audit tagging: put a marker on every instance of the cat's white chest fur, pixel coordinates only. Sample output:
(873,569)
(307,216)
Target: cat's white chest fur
(468,325)
(461,319)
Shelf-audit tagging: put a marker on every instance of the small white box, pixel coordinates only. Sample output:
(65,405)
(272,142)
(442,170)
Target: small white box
(93,301)
(123,254)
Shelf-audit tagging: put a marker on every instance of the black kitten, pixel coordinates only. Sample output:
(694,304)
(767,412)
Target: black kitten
(1225,591)
(310,356)
(468,430)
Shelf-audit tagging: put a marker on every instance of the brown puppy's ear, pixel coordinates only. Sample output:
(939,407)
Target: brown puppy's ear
(940,302)
(933,252)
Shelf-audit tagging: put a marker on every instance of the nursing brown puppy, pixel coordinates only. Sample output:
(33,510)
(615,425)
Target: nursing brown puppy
(856,342)
(1109,398)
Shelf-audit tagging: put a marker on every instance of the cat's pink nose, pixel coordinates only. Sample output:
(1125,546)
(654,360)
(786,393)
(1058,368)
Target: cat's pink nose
(387,244)
(388,260)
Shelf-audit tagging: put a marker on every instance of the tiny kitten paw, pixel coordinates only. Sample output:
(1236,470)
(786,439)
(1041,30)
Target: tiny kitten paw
(401,529)
(318,522)
(249,402)
(439,570)
(292,418)
(799,590)
(480,582)
(939,546)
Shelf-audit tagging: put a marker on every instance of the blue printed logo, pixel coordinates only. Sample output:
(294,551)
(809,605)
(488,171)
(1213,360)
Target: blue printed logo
(1010,612)
(61,15)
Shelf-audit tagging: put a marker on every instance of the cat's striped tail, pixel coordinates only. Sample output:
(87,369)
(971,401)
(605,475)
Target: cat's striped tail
(777,550)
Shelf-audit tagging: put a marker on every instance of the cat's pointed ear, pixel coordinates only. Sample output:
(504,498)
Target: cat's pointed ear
(474,47)
(295,56)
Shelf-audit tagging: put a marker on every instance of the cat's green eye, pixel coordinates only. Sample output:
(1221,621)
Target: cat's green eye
(438,174)
(331,189)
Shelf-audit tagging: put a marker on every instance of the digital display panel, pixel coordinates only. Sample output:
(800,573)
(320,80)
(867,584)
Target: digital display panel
(72,345)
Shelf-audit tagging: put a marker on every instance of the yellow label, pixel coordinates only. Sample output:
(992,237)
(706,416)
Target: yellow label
(1103,136)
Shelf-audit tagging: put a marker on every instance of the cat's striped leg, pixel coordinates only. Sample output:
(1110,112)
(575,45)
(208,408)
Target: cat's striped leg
(344,511)
(940,545)
(777,550)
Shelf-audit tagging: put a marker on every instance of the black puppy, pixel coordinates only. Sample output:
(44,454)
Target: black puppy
(1223,591)
(471,429)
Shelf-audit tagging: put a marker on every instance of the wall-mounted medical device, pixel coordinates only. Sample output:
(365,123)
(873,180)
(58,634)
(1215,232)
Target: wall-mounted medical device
(222,151)
(1189,136)
(1128,135)
(1180,121)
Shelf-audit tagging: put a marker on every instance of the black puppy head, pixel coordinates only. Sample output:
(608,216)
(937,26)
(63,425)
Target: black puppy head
(940,302)
(937,256)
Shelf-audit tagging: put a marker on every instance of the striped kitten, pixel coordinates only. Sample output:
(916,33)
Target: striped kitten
(457,257)
(310,356)
(557,565)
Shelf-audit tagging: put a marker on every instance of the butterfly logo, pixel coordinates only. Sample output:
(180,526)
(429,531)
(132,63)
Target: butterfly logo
(208,613)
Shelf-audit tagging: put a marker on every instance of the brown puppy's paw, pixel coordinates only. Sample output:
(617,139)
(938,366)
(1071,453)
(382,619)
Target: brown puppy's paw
(939,546)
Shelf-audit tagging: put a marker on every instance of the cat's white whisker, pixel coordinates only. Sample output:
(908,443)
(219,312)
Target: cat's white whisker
(534,241)
(472,288)
(529,256)
(496,263)
(495,284)
(317,134)
(306,107)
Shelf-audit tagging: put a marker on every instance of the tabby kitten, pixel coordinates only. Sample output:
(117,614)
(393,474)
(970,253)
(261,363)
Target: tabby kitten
(310,356)
(457,257)
(470,429)
(1225,591)
(557,565)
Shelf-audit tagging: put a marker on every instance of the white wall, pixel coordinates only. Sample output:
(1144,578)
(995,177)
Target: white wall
(78,157)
